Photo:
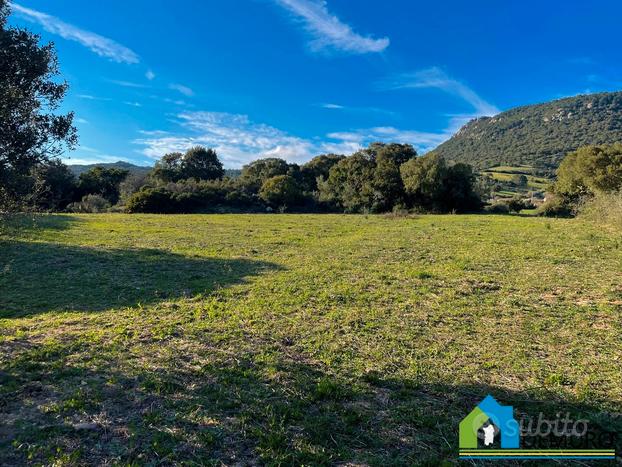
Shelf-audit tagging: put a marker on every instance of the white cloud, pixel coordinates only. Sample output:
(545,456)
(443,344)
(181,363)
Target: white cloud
(102,46)
(133,104)
(128,84)
(83,121)
(93,98)
(327,31)
(238,140)
(436,78)
(422,141)
(93,158)
(365,110)
(150,75)
(185,90)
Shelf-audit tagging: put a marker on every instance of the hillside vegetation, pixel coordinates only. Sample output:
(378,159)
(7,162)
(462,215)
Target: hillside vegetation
(537,135)
(297,339)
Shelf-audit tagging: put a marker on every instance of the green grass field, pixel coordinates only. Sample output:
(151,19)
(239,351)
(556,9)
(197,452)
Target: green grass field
(297,339)
(505,174)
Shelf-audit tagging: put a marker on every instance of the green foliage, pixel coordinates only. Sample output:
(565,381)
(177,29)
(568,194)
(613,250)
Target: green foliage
(317,167)
(197,163)
(191,196)
(555,206)
(281,191)
(590,170)
(520,180)
(30,132)
(202,164)
(537,135)
(433,185)
(90,204)
(102,181)
(517,204)
(255,174)
(55,185)
(350,184)
(604,209)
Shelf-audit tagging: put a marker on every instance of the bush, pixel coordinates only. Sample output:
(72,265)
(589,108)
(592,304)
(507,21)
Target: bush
(498,207)
(603,209)
(555,206)
(518,204)
(281,191)
(90,203)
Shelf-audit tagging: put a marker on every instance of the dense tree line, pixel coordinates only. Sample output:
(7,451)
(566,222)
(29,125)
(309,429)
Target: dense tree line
(379,178)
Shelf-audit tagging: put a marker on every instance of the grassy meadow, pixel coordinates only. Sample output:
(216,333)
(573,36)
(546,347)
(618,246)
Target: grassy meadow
(297,339)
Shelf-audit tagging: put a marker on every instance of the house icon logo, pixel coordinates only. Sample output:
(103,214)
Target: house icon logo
(487,415)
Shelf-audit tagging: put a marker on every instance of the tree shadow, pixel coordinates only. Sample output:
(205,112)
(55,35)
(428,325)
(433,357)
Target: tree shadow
(244,410)
(43,277)
(21,225)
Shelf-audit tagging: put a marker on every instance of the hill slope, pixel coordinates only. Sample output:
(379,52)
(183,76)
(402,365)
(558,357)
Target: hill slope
(77,169)
(538,135)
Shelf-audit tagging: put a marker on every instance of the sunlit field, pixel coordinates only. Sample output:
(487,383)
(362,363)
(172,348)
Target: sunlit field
(297,339)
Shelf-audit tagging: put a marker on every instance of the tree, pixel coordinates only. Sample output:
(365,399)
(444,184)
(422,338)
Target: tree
(55,185)
(202,164)
(168,168)
(198,163)
(387,181)
(590,170)
(257,172)
(317,167)
(423,178)
(349,184)
(30,130)
(102,181)
(520,180)
(433,185)
(281,191)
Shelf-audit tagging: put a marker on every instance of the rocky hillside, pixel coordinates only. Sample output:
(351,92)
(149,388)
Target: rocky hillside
(537,135)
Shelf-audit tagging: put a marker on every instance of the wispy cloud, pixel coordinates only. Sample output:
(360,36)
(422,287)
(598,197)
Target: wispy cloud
(89,97)
(101,45)
(133,104)
(354,109)
(127,84)
(327,31)
(436,78)
(422,141)
(185,90)
(150,75)
(238,140)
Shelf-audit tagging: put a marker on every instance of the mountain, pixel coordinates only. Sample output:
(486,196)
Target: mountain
(537,135)
(77,169)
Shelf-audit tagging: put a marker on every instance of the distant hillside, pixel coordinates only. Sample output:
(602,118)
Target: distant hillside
(77,169)
(537,135)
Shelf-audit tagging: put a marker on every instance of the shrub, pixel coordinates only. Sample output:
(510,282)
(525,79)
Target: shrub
(518,204)
(603,209)
(281,191)
(555,206)
(498,207)
(90,203)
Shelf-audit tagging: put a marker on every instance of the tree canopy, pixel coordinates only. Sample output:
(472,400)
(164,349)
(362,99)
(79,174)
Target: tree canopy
(31,132)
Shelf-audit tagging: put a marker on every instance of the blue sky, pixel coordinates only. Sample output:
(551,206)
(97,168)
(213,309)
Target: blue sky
(297,78)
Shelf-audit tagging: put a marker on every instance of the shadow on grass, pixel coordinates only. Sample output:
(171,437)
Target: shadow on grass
(240,410)
(21,225)
(43,277)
